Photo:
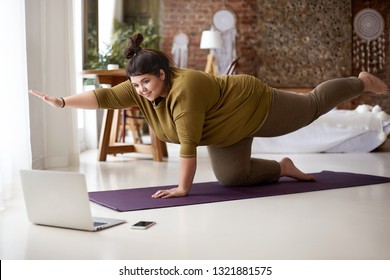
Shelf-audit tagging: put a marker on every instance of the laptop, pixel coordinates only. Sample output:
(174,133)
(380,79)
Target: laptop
(60,199)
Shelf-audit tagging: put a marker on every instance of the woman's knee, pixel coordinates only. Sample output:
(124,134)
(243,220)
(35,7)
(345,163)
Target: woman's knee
(231,179)
(258,171)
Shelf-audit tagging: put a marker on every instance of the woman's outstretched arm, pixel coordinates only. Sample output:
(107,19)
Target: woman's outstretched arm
(85,100)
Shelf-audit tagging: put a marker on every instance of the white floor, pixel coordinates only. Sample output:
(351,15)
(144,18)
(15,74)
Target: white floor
(352,223)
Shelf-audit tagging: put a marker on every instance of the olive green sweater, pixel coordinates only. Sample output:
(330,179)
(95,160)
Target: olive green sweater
(200,109)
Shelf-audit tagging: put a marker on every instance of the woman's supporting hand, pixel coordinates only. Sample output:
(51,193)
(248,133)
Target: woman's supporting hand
(187,172)
(53,101)
(174,192)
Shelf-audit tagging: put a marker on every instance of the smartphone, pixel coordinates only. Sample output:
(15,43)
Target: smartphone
(143,225)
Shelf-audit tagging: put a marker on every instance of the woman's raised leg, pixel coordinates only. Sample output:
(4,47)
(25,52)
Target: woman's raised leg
(290,112)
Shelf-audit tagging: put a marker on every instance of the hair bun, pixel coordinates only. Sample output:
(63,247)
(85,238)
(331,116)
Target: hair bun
(134,45)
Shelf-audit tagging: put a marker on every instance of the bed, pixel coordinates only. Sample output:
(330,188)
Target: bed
(339,131)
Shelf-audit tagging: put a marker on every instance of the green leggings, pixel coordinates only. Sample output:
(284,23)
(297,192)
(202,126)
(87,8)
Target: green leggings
(233,165)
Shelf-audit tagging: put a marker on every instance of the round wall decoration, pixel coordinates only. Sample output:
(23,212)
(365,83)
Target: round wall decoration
(369,41)
(180,49)
(181,39)
(368,24)
(224,20)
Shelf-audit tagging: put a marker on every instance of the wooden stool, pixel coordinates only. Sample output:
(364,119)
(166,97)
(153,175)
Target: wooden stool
(108,136)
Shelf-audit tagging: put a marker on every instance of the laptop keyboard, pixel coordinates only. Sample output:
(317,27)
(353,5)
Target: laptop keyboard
(98,224)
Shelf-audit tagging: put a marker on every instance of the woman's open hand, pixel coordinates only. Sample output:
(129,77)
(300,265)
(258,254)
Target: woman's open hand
(53,101)
(175,192)
(187,172)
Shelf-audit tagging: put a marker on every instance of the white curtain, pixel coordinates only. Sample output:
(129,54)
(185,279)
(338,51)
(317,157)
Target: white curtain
(15,151)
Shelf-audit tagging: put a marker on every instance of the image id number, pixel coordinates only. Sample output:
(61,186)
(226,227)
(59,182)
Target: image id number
(240,270)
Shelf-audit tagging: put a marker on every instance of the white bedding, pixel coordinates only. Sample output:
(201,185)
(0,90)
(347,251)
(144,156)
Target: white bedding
(339,131)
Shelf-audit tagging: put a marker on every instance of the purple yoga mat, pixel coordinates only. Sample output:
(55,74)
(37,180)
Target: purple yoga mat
(140,198)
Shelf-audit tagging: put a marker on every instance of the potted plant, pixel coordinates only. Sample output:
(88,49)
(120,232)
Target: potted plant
(114,53)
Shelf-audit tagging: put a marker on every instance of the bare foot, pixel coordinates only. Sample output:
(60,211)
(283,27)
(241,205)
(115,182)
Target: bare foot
(373,84)
(288,169)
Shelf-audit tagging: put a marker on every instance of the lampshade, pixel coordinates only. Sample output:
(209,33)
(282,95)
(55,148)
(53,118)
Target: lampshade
(211,39)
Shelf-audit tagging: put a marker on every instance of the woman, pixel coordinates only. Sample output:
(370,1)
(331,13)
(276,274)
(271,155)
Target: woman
(192,108)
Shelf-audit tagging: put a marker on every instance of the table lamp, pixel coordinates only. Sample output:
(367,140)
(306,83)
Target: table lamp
(211,39)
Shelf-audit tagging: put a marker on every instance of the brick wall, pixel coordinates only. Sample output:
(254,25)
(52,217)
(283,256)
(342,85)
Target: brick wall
(286,43)
(194,16)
